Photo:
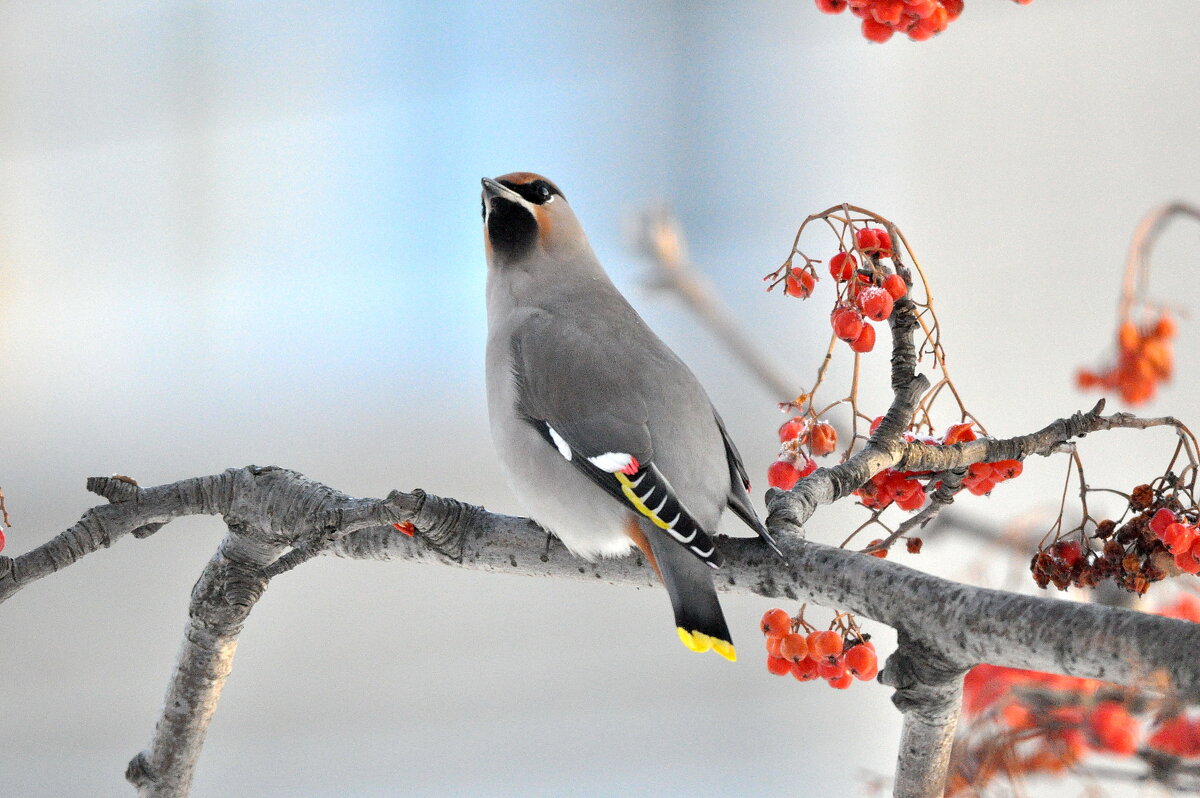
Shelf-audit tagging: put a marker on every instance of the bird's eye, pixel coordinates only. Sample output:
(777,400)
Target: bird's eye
(543,191)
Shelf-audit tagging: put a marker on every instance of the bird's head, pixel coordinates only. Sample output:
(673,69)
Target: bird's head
(524,213)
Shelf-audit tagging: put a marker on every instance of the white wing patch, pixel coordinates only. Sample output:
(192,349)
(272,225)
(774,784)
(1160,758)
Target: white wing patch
(611,462)
(559,443)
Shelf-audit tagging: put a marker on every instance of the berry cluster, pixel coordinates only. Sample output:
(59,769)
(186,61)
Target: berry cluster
(1035,722)
(795,434)
(1181,538)
(905,488)
(1057,718)
(1158,540)
(795,647)
(864,294)
(920,19)
(1144,359)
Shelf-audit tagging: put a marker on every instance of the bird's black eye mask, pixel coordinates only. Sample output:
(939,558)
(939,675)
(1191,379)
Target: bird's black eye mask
(539,192)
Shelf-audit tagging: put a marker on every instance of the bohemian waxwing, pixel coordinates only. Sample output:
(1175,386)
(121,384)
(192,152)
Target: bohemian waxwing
(607,438)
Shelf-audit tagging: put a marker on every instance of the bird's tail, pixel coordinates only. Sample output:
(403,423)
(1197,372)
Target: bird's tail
(689,582)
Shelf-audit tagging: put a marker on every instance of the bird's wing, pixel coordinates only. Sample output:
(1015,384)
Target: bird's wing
(739,487)
(577,393)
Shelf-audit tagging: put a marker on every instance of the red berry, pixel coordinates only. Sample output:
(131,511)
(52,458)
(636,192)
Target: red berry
(865,341)
(1,538)
(831,667)
(847,323)
(1068,551)
(823,438)
(912,501)
(1007,469)
(888,12)
(783,475)
(882,553)
(805,670)
(773,644)
(873,31)
(875,425)
(799,283)
(778,666)
(842,682)
(809,465)
(874,240)
(824,644)
(894,285)
(958,433)
(832,6)
(1161,520)
(775,623)
(842,266)
(792,429)
(793,647)
(876,303)
(862,662)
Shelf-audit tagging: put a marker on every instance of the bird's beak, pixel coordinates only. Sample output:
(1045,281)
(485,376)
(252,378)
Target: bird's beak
(493,189)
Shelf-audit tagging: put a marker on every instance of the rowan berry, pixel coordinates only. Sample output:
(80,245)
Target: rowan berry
(881,553)
(873,31)
(805,670)
(775,623)
(1112,728)
(1161,520)
(832,6)
(862,661)
(865,341)
(874,240)
(799,283)
(847,323)
(842,682)
(831,667)
(824,644)
(913,545)
(823,438)
(783,474)
(1068,551)
(793,647)
(894,285)
(842,266)
(792,429)
(778,665)
(875,303)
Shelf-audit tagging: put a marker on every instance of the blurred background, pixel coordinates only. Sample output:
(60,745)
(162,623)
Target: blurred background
(236,233)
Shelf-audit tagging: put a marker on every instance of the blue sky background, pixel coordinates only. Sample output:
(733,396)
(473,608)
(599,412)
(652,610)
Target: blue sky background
(238,233)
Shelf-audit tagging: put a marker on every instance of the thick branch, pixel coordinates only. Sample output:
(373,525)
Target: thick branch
(272,508)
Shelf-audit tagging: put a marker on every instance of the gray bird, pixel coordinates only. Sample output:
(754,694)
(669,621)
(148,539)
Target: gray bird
(607,438)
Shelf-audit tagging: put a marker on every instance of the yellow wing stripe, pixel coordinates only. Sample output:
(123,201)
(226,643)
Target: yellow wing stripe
(627,489)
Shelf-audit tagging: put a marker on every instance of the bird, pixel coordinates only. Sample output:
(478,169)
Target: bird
(607,439)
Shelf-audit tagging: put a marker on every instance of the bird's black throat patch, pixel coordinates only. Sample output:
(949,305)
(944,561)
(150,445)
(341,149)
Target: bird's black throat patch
(511,227)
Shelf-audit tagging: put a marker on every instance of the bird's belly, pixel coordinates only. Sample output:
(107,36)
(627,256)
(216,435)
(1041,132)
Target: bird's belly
(551,490)
(588,521)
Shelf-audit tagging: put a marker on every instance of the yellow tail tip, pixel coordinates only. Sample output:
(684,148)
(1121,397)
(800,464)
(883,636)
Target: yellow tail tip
(700,642)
